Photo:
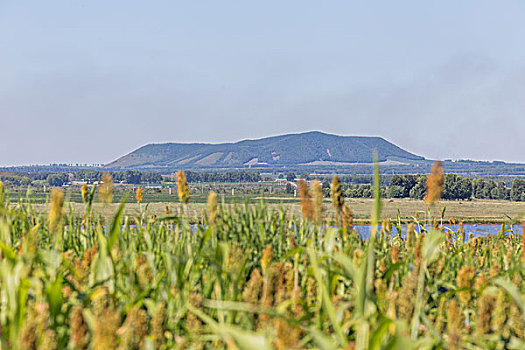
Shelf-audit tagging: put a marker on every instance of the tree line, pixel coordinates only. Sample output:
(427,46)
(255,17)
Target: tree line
(456,187)
(229,176)
(129,176)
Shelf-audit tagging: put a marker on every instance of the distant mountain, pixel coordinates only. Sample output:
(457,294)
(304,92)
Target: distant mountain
(310,148)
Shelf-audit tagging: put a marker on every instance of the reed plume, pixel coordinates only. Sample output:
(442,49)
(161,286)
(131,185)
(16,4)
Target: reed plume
(253,290)
(407,295)
(85,193)
(484,310)
(266,258)
(213,208)
(305,199)
(134,329)
(394,255)
(500,312)
(317,198)
(336,193)
(347,217)
(158,324)
(455,319)
(55,209)
(434,183)
(465,279)
(79,329)
(182,187)
(106,189)
(481,282)
(138,195)
(411,235)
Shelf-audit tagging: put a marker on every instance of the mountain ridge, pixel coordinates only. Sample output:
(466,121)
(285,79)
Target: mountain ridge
(313,147)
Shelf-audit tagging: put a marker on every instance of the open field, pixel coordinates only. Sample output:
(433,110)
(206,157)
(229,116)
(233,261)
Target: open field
(475,211)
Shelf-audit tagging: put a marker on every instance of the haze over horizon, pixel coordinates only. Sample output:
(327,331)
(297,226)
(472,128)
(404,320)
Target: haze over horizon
(87,82)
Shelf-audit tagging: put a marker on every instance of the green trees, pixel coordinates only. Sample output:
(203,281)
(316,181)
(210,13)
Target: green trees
(419,189)
(290,176)
(457,187)
(489,189)
(228,176)
(414,186)
(57,179)
(518,190)
(396,191)
(403,184)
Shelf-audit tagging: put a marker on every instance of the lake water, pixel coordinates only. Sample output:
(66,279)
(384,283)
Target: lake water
(475,229)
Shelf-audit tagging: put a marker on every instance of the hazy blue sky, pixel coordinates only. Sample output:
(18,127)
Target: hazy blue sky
(88,81)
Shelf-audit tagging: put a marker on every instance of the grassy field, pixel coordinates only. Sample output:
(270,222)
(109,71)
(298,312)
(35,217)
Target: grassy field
(476,211)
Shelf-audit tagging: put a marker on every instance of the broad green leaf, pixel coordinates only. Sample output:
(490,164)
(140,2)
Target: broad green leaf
(115,227)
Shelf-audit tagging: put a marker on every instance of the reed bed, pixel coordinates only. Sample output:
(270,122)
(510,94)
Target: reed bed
(251,277)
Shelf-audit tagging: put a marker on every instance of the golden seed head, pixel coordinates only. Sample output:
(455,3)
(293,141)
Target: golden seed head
(347,217)
(395,254)
(139,195)
(134,329)
(266,259)
(417,251)
(434,183)
(411,235)
(55,210)
(317,197)
(1,188)
(158,324)
(337,194)
(465,279)
(481,282)
(454,316)
(252,292)
(213,208)
(499,312)
(106,189)
(407,295)
(306,200)
(182,187)
(167,211)
(79,329)
(85,193)
(484,310)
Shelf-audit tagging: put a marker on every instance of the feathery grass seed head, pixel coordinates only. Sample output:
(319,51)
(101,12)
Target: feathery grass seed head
(182,187)
(85,193)
(434,183)
(317,197)
(213,207)
(305,199)
(138,195)
(106,189)
(55,210)
(336,193)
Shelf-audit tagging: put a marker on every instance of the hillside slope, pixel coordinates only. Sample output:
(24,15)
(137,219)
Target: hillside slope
(310,148)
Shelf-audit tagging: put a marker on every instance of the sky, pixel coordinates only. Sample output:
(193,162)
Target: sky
(90,81)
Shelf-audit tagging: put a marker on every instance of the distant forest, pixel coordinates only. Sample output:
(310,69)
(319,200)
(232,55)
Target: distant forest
(455,187)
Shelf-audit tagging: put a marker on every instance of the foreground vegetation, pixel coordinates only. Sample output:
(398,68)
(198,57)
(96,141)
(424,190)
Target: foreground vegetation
(253,277)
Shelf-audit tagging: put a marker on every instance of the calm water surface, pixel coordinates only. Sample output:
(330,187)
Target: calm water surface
(475,229)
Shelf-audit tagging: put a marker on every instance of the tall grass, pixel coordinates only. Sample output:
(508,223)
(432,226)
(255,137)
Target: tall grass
(252,278)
